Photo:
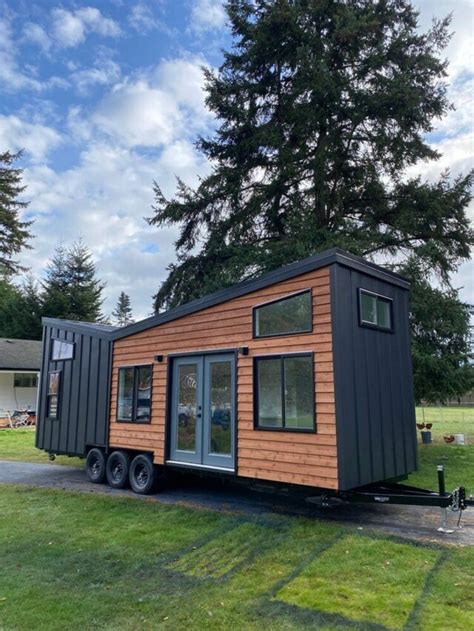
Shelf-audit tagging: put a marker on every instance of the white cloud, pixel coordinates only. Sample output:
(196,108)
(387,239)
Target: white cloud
(12,77)
(152,111)
(37,140)
(207,15)
(142,20)
(104,199)
(104,72)
(36,34)
(137,114)
(71,27)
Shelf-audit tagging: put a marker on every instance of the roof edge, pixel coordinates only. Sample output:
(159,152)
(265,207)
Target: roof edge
(324,259)
(77,327)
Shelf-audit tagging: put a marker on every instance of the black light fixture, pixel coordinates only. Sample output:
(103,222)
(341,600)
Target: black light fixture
(244,350)
(159,358)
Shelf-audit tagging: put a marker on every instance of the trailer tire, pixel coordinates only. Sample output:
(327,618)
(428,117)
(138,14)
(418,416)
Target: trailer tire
(95,465)
(117,469)
(142,474)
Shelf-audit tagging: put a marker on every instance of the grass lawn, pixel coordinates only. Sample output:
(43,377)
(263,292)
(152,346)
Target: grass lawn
(19,444)
(457,460)
(79,561)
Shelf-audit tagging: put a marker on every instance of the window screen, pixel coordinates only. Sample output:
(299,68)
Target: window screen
(284,317)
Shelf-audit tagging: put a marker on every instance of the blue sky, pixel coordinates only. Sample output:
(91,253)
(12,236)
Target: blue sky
(106,97)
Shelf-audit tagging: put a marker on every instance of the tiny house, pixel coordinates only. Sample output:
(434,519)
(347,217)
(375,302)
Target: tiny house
(301,376)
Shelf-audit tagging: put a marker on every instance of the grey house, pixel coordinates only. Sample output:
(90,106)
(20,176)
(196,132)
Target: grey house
(20,362)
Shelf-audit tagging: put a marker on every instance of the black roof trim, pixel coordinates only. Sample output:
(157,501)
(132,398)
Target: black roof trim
(89,328)
(329,257)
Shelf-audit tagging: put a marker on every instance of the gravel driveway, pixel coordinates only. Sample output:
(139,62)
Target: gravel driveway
(409,522)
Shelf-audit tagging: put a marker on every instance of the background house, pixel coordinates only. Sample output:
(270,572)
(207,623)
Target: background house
(19,372)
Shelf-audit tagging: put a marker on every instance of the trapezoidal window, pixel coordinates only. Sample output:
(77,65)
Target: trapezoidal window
(375,311)
(134,394)
(285,316)
(62,350)
(284,392)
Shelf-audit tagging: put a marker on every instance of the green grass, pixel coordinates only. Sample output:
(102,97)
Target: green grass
(382,580)
(19,444)
(80,561)
(457,460)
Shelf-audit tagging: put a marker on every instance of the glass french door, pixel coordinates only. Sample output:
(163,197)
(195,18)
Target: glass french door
(203,410)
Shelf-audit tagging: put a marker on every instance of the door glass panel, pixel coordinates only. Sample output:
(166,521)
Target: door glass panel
(187,407)
(220,413)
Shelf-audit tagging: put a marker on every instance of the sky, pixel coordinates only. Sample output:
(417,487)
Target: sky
(106,97)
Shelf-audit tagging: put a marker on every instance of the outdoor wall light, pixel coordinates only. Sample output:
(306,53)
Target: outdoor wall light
(244,350)
(159,358)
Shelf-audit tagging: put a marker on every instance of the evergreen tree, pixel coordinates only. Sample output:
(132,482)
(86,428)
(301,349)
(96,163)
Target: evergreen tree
(20,310)
(71,289)
(14,232)
(323,105)
(122,314)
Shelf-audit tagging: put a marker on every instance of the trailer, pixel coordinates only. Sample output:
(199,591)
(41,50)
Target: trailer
(301,376)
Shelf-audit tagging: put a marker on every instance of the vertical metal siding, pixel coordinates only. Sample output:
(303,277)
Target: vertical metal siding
(84,394)
(376,433)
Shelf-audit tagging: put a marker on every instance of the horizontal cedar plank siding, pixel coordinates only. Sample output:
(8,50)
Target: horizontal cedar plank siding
(298,458)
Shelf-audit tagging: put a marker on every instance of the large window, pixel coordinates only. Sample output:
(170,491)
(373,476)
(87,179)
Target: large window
(25,380)
(62,350)
(285,316)
(134,394)
(375,310)
(284,392)
(52,398)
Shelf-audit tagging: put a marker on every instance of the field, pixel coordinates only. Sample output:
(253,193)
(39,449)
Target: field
(458,461)
(93,561)
(76,561)
(19,444)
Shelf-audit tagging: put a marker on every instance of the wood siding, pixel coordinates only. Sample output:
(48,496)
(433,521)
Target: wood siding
(298,458)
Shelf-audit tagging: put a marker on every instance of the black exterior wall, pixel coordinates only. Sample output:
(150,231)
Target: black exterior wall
(84,389)
(375,408)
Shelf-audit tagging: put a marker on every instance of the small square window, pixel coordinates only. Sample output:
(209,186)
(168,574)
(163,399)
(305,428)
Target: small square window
(375,310)
(62,350)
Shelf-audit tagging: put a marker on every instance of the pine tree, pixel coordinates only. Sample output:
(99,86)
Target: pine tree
(123,311)
(14,232)
(71,289)
(20,310)
(323,105)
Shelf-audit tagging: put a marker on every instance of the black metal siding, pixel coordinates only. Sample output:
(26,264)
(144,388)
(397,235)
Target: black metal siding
(375,408)
(84,393)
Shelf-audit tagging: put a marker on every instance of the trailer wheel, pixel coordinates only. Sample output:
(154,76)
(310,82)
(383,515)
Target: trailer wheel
(117,468)
(95,465)
(142,474)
